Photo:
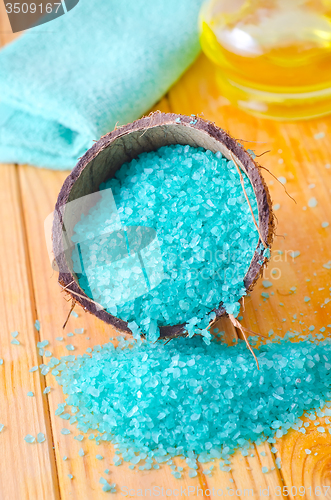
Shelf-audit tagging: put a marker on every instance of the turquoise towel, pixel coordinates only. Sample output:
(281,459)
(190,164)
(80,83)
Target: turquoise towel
(65,83)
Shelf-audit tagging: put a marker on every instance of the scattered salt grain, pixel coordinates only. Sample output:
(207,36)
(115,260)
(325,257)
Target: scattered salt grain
(312,203)
(29,439)
(43,343)
(41,437)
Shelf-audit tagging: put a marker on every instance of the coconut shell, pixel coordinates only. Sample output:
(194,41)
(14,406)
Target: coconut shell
(123,144)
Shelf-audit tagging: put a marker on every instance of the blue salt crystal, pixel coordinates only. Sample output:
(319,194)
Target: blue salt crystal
(41,437)
(30,394)
(177,475)
(44,343)
(15,342)
(37,325)
(14,334)
(29,439)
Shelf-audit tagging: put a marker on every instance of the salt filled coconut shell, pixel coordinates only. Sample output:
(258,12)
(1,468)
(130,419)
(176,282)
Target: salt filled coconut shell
(107,155)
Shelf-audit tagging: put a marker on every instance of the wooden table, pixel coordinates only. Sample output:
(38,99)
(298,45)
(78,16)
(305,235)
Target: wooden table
(29,291)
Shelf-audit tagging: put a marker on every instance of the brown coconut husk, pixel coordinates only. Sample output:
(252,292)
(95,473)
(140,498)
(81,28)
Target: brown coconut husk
(122,145)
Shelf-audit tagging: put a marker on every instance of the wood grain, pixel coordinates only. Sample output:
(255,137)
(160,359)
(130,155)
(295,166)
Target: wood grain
(305,162)
(296,155)
(27,471)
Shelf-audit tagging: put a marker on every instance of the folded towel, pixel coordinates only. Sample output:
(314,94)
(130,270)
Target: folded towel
(65,83)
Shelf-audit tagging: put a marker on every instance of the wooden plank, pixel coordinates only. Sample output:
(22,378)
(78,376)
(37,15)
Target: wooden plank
(39,192)
(305,163)
(27,471)
(40,189)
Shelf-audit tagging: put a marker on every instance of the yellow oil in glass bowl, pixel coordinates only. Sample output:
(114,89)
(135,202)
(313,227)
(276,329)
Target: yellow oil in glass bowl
(273,57)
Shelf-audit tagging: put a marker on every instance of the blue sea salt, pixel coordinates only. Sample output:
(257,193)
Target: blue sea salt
(201,240)
(142,397)
(41,437)
(29,439)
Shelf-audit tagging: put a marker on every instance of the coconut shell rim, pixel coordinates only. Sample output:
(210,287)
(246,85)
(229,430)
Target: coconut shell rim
(155,119)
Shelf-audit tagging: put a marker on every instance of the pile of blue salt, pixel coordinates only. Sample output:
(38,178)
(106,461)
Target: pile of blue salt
(157,401)
(205,235)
